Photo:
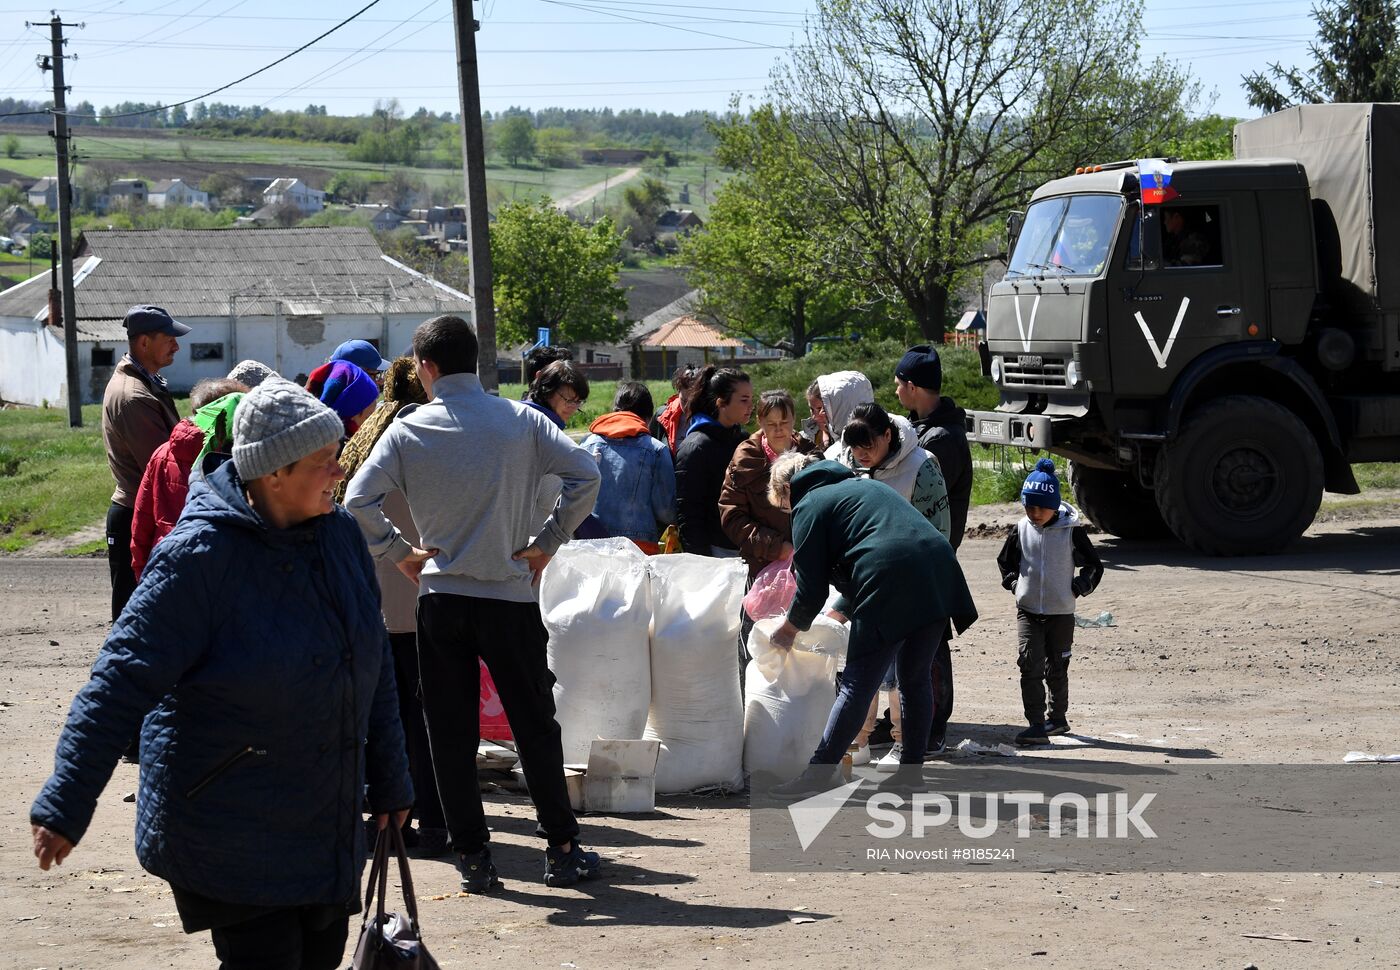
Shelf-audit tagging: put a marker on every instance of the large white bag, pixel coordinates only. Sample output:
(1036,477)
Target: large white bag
(788,697)
(696,711)
(595,597)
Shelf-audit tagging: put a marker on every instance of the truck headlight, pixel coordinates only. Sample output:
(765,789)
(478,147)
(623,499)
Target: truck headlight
(1072,376)
(996,369)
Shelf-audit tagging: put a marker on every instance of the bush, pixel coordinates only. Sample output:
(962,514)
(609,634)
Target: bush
(962,372)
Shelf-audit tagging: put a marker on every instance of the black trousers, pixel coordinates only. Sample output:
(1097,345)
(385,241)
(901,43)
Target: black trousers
(119,556)
(453,631)
(942,688)
(298,938)
(1044,654)
(427,806)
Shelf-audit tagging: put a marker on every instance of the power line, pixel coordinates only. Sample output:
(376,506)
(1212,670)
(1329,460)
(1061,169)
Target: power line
(655,23)
(132,114)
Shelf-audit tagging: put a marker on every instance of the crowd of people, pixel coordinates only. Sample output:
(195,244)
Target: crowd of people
(306,579)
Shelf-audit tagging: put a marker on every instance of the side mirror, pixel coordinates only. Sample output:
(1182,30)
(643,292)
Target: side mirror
(1014,222)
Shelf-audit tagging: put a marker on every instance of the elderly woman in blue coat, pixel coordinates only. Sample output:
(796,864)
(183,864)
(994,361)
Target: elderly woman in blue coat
(254,660)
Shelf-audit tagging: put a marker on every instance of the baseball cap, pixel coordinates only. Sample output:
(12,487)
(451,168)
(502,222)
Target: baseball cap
(152,319)
(362,354)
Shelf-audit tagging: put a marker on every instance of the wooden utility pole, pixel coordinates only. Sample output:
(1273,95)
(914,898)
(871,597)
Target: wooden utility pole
(474,173)
(65,224)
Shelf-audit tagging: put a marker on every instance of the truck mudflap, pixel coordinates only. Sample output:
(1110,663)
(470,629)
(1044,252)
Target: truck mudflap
(1003,428)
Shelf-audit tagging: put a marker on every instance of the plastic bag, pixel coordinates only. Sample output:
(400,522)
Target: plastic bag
(696,711)
(595,599)
(788,697)
(490,711)
(772,591)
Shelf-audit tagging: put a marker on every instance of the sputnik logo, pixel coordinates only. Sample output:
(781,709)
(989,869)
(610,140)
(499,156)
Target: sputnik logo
(811,816)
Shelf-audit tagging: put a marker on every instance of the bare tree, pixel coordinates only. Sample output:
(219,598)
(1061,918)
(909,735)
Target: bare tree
(929,120)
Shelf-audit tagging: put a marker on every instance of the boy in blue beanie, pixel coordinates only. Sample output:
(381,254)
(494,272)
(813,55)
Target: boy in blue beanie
(1037,563)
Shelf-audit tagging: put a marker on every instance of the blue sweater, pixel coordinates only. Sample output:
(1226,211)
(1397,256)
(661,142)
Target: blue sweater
(256,664)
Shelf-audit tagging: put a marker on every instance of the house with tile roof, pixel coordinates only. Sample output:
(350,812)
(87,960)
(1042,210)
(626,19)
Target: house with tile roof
(286,297)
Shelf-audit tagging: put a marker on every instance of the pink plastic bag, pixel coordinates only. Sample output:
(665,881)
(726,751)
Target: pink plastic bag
(494,726)
(772,591)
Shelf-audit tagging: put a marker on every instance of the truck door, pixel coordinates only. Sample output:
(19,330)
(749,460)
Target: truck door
(1208,290)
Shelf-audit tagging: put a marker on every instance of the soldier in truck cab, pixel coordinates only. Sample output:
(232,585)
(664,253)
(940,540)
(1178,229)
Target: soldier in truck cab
(1182,244)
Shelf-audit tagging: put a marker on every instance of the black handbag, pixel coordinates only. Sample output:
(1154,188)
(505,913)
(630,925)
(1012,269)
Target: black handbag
(390,941)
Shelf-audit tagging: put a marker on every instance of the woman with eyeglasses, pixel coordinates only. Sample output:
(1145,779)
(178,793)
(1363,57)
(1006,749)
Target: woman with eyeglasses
(253,658)
(558,392)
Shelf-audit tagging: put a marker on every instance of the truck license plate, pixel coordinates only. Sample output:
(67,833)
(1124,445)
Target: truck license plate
(1030,360)
(993,429)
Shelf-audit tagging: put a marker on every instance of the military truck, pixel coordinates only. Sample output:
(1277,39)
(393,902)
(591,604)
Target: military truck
(1211,343)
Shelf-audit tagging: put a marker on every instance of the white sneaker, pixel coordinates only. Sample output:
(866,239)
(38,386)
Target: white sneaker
(890,761)
(860,755)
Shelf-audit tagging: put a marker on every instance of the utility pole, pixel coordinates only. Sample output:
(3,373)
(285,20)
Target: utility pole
(65,222)
(474,173)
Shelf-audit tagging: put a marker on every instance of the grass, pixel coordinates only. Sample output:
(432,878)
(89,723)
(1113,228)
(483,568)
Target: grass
(54,479)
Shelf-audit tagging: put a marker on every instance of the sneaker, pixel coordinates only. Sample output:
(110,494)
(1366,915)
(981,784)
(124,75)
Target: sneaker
(860,755)
(890,760)
(1057,725)
(566,868)
(478,874)
(1035,734)
(432,843)
(813,781)
(936,746)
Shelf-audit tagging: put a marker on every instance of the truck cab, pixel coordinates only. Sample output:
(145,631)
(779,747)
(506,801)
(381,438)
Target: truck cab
(1201,349)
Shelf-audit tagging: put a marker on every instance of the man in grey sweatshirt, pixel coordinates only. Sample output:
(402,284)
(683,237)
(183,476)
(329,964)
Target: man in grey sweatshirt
(469,465)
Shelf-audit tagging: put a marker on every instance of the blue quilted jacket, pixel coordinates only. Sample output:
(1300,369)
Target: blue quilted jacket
(256,664)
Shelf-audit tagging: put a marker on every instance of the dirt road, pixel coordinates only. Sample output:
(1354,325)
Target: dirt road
(1286,659)
(575,199)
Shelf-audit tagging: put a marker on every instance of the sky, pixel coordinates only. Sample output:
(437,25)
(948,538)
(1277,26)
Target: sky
(651,54)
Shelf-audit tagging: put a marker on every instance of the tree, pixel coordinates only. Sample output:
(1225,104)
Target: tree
(1356,57)
(553,272)
(928,121)
(348,187)
(555,147)
(515,138)
(39,245)
(229,188)
(646,202)
(758,260)
(11,146)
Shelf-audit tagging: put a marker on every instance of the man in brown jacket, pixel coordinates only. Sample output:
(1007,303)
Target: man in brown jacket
(138,415)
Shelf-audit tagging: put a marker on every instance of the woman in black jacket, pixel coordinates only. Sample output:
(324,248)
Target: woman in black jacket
(721,406)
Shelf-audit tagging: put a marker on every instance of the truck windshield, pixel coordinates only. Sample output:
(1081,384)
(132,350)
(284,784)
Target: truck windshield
(1067,236)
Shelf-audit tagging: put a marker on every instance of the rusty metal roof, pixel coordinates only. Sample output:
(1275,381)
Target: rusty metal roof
(689,332)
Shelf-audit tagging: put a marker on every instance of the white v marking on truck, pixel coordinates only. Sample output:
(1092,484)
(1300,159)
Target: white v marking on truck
(1020,327)
(1161,353)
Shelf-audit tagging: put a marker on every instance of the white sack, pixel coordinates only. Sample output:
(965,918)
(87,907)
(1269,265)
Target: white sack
(595,597)
(788,696)
(696,711)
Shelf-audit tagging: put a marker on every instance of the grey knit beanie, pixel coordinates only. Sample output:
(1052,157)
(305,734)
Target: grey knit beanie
(278,423)
(251,373)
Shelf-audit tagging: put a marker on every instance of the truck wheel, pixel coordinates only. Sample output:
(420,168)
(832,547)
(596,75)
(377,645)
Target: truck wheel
(1116,503)
(1243,477)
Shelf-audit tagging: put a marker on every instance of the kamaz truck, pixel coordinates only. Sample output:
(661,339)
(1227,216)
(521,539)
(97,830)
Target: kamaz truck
(1212,344)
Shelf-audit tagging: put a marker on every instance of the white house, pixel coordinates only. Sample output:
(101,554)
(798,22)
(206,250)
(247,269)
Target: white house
(175,193)
(286,297)
(44,192)
(296,192)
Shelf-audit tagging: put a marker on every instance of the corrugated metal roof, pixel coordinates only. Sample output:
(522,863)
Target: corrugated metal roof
(689,332)
(249,272)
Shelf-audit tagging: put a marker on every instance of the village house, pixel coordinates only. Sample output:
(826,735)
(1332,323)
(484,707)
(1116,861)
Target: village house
(124,193)
(44,193)
(286,297)
(175,193)
(296,192)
